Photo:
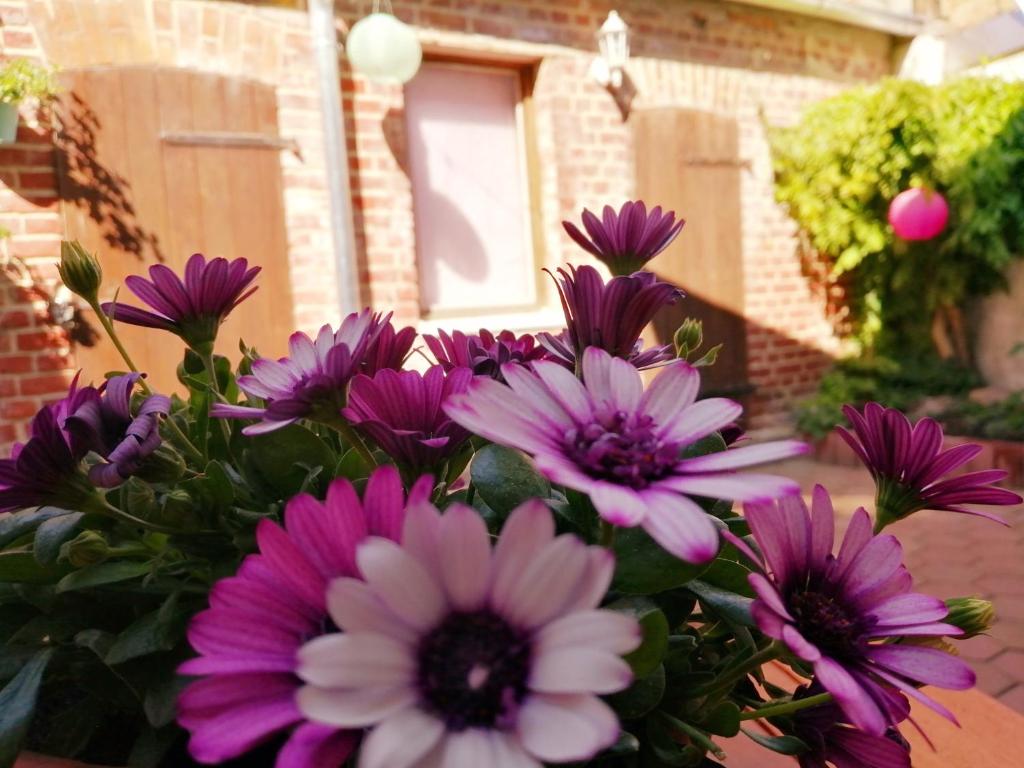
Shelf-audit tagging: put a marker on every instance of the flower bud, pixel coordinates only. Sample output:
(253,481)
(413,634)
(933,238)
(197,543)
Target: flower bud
(87,548)
(971,614)
(80,270)
(688,337)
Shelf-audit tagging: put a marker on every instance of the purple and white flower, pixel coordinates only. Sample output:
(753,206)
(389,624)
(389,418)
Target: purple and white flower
(626,240)
(610,316)
(103,420)
(457,655)
(401,411)
(908,465)
(622,446)
(312,382)
(839,612)
(483,353)
(194,308)
(258,620)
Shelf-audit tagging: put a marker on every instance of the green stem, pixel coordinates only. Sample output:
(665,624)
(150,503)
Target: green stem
(352,437)
(787,707)
(470,493)
(732,676)
(211,372)
(103,507)
(607,534)
(695,734)
(108,326)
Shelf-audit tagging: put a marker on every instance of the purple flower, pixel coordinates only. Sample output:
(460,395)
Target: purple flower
(104,422)
(484,353)
(908,464)
(840,612)
(192,309)
(458,655)
(833,741)
(627,240)
(610,316)
(259,619)
(311,383)
(401,412)
(623,446)
(46,469)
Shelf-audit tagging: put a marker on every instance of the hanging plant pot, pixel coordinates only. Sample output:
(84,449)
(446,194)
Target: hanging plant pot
(918,214)
(8,122)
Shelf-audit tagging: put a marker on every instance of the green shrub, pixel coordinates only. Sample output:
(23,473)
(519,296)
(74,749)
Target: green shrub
(996,421)
(838,169)
(21,79)
(895,384)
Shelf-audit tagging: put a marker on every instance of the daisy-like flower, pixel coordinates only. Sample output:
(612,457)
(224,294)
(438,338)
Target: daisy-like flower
(625,241)
(483,353)
(622,446)
(104,422)
(194,308)
(838,611)
(459,656)
(908,465)
(312,382)
(401,412)
(259,619)
(610,316)
(833,741)
(47,468)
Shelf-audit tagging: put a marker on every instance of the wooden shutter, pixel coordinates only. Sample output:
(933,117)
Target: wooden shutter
(688,161)
(158,164)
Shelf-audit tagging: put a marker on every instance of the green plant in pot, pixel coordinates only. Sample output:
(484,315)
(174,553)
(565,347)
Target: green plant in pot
(21,80)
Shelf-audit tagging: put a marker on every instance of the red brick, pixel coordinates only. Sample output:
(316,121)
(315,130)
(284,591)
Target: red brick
(37,180)
(39,340)
(18,409)
(18,39)
(15,363)
(15,319)
(53,362)
(44,385)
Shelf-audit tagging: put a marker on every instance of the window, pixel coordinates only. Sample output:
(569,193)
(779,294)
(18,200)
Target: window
(467,162)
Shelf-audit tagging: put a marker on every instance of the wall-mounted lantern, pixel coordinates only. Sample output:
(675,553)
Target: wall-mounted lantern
(382,48)
(613,42)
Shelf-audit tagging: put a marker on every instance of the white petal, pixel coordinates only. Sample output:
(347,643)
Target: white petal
(402,582)
(355,608)
(673,389)
(353,708)
(420,534)
(611,380)
(401,740)
(579,670)
(595,581)
(618,504)
(527,530)
(680,526)
(465,549)
(603,630)
(545,587)
(467,749)
(563,728)
(355,660)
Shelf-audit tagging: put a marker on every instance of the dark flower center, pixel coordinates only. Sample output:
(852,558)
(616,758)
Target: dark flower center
(473,669)
(825,622)
(623,448)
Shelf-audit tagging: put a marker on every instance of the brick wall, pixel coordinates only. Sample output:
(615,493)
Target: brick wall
(728,58)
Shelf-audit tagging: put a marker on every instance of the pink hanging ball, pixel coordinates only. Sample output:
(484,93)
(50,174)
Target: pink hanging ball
(918,214)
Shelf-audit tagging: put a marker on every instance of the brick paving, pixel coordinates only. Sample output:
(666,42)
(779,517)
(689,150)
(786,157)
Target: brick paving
(952,555)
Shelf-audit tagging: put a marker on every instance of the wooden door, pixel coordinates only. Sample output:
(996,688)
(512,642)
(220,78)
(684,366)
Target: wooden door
(688,161)
(158,164)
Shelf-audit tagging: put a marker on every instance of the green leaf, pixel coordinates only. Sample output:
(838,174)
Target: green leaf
(352,466)
(733,607)
(784,745)
(103,573)
(505,478)
(154,632)
(641,697)
(644,568)
(21,566)
(18,704)
(730,576)
(285,459)
(161,700)
(17,524)
(646,658)
(51,534)
(723,720)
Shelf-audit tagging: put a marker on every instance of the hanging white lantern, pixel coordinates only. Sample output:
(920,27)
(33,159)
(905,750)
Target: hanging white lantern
(613,42)
(383,48)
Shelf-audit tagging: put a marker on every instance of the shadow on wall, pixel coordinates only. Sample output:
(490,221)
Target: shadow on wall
(88,185)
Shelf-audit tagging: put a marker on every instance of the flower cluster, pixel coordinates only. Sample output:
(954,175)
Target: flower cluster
(521,552)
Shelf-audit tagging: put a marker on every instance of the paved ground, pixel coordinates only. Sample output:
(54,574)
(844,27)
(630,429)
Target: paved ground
(952,555)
